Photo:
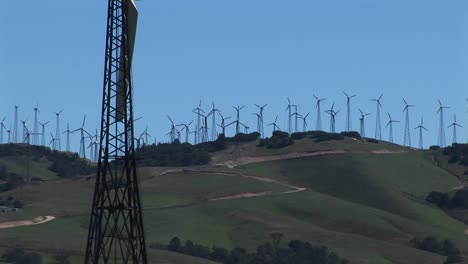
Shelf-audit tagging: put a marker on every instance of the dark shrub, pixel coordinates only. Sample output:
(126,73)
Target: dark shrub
(174,244)
(442,200)
(172,154)
(460,199)
(328,137)
(372,140)
(351,134)
(241,137)
(299,135)
(454,158)
(434,147)
(278,139)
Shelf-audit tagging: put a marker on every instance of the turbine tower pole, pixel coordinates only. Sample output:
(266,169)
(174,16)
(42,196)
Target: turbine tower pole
(454,125)
(288,108)
(318,124)
(421,127)
(362,130)
(348,111)
(57,130)
(407,137)
(441,137)
(15,126)
(390,123)
(35,127)
(2,128)
(378,127)
(43,132)
(116,232)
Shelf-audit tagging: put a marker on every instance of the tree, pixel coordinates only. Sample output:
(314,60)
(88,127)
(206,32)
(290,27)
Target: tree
(188,248)
(30,258)
(442,200)
(219,254)
(174,244)
(276,239)
(62,258)
(13,254)
(17,204)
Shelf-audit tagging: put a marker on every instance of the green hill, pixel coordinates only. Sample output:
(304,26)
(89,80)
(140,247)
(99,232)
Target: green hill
(363,200)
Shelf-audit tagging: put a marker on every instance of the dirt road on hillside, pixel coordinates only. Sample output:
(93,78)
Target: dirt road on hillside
(293,189)
(248,160)
(294,155)
(36,221)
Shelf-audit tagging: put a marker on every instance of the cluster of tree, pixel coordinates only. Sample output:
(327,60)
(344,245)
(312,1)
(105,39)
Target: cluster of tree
(65,164)
(444,248)
(172,154)
(351,134)
(445,201)
(10,180)
(278,139)
(372,140)
(458,153)
(10,201)
(211,146)
(18,256)
(241,137)
(269,253)
(320,136)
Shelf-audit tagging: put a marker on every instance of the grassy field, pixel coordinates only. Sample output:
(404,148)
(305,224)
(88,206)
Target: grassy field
(22,164)
(363,205)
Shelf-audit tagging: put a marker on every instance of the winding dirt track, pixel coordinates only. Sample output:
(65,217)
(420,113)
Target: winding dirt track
(248,160)
(293,189)
(36,221)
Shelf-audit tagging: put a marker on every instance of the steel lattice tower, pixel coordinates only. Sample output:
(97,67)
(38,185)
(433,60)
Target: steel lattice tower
(116,224)
(378,127)
(407,136)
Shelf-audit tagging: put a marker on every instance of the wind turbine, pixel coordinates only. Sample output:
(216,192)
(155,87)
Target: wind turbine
(288,108)
(378,128)
(318,124)
(82,138)
(2,127)
(421,127)
(407,139)
(212,113)
(57,131)
(15,126)
(260,119)
(35,128)
(275,126)
(348,112)
(362,130)
(304,122)
(43,132)
(204,129)
(259,123)
(26,133)
(454,125)
(9,134)
(296,116)
(440,111)
(198,111)
(390,123)
(68,132)
(173,132)
(237,121)
(53,141)
(223,123)
(145,134)
(186,127)
(333,115)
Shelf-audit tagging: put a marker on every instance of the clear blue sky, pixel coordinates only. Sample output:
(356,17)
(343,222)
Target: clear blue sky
(240,53)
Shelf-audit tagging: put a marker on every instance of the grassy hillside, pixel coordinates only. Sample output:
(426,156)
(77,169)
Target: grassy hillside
(365,202)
